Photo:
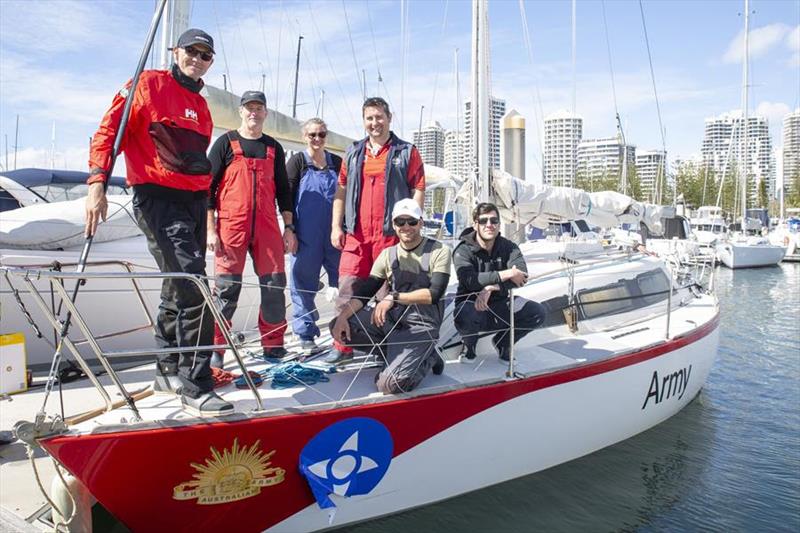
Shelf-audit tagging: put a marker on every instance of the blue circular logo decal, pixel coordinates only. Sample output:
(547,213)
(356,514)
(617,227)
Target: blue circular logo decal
(347,458)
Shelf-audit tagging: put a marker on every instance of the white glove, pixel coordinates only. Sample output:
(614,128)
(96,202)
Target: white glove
(331,293)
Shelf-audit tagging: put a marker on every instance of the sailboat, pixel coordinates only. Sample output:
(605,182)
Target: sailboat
(741,250)
(625,346)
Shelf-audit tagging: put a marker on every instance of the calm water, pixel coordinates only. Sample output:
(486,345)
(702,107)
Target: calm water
(730,461)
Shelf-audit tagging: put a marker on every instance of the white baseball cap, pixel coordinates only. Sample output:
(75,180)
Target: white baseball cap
(408,207)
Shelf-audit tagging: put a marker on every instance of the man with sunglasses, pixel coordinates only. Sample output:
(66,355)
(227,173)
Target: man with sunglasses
(377,172)
(488,265)
(403,327)
(248,170)
(165,145)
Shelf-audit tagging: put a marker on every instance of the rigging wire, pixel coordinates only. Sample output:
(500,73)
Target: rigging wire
(278,60)
(403,61)
(610,63)
(624,163)
(538,112)
(660,174)
(266,54)
(222,46)
(241,42)
(353,48)
(436,76)
(377,62)
(315,71)
(354,123)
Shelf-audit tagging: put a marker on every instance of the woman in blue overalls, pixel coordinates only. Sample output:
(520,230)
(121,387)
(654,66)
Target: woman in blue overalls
(313,174)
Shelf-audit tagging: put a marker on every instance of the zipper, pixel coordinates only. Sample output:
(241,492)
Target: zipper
(253,210)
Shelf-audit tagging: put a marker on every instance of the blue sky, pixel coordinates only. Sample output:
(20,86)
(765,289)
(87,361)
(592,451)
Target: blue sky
(61,61)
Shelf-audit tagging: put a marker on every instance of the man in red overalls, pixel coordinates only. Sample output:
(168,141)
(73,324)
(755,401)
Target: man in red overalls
(377,172)
(248,175)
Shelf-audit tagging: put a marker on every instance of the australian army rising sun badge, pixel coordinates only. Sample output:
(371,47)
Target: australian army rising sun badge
(230,476)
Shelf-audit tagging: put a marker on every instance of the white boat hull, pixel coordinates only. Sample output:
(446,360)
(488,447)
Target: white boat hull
(745,255)
(527,434)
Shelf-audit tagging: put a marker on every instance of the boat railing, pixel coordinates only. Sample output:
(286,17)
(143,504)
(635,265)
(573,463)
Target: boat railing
(57,266)
(56,281)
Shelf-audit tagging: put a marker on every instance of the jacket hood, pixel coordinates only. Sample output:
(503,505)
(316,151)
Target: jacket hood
(467,237)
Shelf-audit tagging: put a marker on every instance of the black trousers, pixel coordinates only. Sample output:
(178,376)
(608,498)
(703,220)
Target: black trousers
(176,238)
(405,343)
(470,322)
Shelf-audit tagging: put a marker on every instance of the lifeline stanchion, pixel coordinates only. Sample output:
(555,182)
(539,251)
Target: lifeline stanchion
(510,373)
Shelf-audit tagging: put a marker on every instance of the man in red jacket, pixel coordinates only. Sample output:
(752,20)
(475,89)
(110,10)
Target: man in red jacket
(248,177)
(165,145)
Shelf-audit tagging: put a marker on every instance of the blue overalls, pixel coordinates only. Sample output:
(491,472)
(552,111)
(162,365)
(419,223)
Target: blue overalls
(313,209)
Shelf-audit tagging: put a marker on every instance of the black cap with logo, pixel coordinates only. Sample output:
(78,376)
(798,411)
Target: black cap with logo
(195,36)
(253,96)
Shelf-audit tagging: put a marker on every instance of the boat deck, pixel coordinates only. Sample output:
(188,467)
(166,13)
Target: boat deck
(540,352)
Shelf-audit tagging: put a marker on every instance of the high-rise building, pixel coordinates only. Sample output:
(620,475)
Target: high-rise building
(791,151)
(498,109)
(602,158)
(650,164)
(722,146)
(455,154)
(512,146)
(430,143)
(562,133)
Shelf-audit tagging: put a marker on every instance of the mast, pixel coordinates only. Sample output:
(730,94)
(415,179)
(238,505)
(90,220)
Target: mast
(745,61)
(296,75)
(480,98)
(459,160)
(176,21)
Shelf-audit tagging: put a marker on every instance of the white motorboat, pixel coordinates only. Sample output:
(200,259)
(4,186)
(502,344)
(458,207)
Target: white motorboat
(743,251)
(787,234)
(709,226)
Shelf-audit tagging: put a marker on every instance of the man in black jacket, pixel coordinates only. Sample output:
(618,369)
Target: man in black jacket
(487,266)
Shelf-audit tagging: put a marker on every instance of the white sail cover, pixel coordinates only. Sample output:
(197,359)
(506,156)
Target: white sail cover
(60,225)
(520,202)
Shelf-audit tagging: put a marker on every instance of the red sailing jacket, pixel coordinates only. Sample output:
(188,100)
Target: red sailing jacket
(166,138)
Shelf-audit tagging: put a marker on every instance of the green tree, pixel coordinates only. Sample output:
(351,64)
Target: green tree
(793,198)
(728,199)
(762,193)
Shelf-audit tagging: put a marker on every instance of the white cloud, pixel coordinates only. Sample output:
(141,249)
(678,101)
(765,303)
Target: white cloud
(70,158)
(761,41)
(39,27)
(793,44)
(774,113)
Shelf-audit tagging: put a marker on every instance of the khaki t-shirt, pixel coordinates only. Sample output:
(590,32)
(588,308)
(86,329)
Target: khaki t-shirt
(411,260)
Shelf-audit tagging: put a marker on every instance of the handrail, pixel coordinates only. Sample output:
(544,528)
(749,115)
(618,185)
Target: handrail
(29,275)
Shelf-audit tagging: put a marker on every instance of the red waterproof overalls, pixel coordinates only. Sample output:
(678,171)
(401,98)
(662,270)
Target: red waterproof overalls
(247,222)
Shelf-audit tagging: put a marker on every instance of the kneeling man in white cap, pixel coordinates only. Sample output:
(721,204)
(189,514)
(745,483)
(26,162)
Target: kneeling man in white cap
(402,328)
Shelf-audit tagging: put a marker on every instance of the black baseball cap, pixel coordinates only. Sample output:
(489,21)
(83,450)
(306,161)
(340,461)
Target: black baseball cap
(253,96)
(195,36)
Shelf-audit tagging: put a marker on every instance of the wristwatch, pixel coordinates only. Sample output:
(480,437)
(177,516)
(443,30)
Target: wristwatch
(395,296)
(288,226)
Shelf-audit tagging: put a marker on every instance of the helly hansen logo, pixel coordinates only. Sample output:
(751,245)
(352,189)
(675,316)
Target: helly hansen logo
(190,114)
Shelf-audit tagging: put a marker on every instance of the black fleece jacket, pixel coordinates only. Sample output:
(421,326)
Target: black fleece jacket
(476,268)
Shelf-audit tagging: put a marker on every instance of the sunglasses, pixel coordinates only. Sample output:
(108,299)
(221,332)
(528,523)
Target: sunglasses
(487,220)
(320,135)
(400,222)
(191,51)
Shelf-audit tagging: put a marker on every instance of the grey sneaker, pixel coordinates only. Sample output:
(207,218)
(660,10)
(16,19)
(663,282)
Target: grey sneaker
(207,404)
(168,385)
(309,347)
(338,357)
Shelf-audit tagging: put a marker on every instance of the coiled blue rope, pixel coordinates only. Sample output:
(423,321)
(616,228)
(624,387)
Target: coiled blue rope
(286,375)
